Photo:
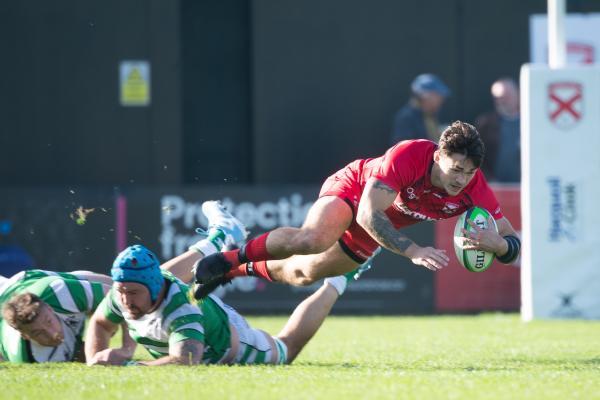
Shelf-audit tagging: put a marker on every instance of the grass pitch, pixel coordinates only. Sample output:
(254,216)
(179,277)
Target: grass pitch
(492,356)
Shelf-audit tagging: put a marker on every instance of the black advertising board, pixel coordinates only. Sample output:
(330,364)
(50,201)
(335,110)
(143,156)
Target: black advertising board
(62,229)
(164,220)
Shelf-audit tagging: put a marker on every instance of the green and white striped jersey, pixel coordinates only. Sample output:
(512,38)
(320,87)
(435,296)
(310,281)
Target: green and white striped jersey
(70,297)
(176,319)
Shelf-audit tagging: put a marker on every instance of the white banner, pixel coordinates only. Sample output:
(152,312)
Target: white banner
(560,141)
(582,34)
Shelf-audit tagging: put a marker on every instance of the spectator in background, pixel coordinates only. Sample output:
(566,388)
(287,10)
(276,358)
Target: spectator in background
(418,119)
(500,131)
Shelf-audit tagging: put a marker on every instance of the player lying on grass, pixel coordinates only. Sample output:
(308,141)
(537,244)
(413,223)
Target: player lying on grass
(366,204)
(156,307)
(43,315)
(43,312)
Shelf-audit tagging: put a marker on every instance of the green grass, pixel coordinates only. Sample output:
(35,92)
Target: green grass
(492,356)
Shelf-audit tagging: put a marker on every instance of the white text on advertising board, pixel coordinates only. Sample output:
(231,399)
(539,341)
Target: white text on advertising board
(563,210)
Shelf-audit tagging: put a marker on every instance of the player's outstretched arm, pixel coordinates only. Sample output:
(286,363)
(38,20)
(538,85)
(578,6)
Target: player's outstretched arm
(97,338)
(378,197)
(185,352)
(128,344)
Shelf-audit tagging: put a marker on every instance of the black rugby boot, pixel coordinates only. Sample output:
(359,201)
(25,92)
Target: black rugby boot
(203,290)
(213,266)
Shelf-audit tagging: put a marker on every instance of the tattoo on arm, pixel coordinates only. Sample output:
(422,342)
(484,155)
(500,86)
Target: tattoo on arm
(379,225)
(385,233)
(383,186)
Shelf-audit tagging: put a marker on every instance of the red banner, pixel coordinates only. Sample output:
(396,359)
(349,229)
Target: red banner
(498,288)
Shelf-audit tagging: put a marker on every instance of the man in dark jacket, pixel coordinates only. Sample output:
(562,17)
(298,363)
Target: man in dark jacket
(500,132)
(418,119)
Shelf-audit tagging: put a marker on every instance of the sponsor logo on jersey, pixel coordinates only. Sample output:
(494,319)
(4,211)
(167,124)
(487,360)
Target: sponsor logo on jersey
(450,208)
(407,211)
(410,193)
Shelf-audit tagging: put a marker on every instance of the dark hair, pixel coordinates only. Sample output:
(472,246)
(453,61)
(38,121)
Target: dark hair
(22,309)
(463,138)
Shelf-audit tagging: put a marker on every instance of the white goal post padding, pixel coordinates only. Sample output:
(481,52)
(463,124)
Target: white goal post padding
(560,140)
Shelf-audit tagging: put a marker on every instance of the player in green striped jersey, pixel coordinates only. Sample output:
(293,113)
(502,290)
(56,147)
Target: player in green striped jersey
(43,314)
(160,315)
(174,330)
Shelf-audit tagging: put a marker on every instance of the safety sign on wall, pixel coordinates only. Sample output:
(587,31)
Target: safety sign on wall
(134,83)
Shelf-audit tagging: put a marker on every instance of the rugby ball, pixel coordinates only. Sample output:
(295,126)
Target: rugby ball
(473,260)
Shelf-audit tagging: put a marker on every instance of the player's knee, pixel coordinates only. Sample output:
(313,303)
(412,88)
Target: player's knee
(305,281)
(307,275)
(302,278)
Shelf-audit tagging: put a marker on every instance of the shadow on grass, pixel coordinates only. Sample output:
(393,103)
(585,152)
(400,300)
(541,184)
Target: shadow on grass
(432,365)
(592,361)
(516,364)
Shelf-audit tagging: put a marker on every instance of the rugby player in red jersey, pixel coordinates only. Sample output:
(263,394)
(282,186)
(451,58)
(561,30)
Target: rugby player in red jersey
(365,205)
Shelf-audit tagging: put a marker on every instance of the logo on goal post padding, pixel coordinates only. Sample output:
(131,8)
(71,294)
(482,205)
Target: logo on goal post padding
(565,104)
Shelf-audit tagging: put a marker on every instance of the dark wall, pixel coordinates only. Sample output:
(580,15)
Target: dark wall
(61,122)
(329,75)
(248,91)
(216,92)
(494,43)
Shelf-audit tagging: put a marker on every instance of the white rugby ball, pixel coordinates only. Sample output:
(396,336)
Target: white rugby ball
(472,260)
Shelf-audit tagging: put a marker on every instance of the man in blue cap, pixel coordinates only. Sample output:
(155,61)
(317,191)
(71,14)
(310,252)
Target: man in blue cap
(156,307)
(418,119)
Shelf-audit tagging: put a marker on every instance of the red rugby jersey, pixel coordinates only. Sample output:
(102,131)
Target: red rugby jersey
(406,167)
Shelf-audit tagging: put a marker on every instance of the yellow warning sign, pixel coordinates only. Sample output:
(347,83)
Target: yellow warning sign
(135,83)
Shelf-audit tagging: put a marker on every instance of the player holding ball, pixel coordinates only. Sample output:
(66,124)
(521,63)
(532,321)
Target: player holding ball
(366,204)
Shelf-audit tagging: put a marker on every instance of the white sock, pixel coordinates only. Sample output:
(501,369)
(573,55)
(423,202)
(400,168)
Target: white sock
(205,247)
(283,350)
(339,283)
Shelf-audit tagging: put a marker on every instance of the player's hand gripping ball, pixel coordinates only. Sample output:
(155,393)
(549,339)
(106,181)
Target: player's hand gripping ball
(473,260)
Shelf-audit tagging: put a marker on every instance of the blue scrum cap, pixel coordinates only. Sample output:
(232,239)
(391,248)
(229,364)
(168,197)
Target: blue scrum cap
(138,264)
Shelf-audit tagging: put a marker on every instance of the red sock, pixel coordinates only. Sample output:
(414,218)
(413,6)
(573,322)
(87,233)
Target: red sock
(259,268)
(256,249)
(232,257)
(240,270)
